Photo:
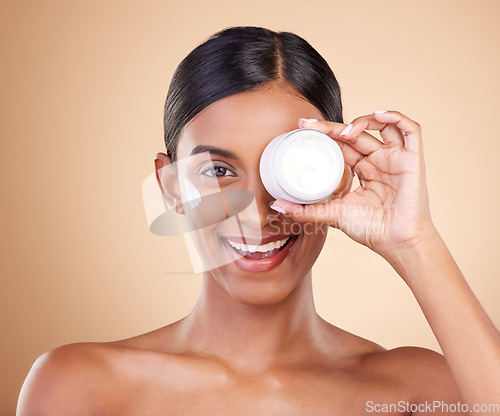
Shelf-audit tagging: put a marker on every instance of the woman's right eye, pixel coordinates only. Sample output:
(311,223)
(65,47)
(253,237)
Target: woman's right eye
(217,171)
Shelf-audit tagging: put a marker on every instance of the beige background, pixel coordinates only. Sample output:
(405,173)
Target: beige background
(83,85)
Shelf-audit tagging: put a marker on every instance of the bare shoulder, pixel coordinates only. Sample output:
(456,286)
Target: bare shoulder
(95,378)
(423,371)
(69,379)
(416,375)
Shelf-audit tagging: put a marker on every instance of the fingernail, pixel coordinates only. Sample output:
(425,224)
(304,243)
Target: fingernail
(346,130)
(380,112)
(278,208)
(309,120)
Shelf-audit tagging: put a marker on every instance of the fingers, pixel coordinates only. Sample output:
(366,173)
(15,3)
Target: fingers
(390,134)
(351,155)
(410,131)
(395,129)
(329,213)
(361,141)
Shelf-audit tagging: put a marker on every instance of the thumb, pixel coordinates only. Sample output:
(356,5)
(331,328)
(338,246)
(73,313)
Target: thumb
(320,212)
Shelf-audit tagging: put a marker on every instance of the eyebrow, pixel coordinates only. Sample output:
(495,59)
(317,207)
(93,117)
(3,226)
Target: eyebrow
(213,151)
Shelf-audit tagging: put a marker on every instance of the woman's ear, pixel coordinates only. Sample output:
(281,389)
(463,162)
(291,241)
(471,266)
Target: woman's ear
(345,183)
(166,176)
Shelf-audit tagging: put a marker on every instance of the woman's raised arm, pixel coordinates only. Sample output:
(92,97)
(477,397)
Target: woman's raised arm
(389,213)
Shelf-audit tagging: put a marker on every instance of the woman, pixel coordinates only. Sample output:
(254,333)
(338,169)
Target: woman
(253,343)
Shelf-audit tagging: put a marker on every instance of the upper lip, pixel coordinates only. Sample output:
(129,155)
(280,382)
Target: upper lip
(256,241)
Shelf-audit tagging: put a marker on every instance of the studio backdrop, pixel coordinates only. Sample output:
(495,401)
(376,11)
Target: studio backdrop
(83,85)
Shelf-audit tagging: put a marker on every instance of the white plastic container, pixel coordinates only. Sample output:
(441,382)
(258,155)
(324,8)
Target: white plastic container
(302,166)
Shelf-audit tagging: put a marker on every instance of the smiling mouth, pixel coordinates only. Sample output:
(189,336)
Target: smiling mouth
(257,252)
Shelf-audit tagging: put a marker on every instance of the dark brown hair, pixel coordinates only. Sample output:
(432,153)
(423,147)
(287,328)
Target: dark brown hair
(238,59)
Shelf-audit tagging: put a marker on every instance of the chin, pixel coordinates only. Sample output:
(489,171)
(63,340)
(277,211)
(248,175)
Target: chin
(266,291)
(259,298)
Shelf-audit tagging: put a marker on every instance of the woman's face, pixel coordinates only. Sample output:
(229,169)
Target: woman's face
(237,129)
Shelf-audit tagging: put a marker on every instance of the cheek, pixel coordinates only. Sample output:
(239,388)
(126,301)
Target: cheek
(203,242)
(314,237)
(205,250)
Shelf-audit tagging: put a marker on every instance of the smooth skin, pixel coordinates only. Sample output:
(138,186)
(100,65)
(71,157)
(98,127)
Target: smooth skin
(253,343)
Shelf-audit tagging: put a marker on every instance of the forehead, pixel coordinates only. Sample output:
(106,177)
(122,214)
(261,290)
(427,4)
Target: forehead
(246,122)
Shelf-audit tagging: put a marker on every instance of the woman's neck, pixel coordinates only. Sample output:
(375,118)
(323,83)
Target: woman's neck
(248,338)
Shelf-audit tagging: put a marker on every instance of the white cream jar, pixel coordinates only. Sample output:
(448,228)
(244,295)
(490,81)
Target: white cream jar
(302,166)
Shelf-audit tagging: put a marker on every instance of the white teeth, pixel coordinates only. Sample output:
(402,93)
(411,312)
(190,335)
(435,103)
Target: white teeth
(262,249)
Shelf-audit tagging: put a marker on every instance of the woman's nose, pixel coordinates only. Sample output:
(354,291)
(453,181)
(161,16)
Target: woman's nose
(259,212)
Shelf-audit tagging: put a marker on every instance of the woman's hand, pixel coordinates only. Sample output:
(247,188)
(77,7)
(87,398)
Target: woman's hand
(390,208)
(389,213)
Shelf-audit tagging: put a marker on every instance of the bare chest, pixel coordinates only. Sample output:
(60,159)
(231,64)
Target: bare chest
(286,393)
